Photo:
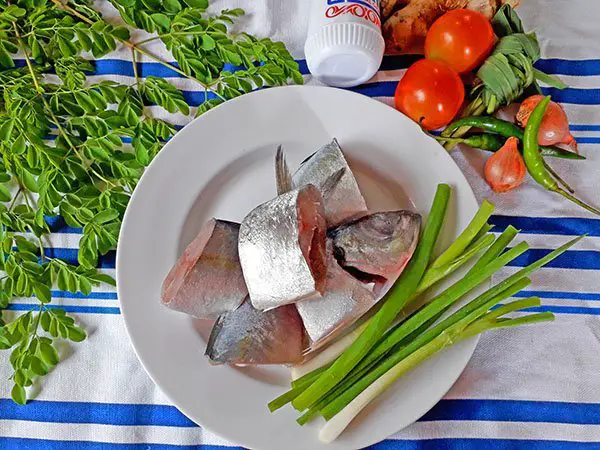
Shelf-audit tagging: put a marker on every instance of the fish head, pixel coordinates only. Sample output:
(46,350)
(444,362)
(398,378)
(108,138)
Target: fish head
(379,244)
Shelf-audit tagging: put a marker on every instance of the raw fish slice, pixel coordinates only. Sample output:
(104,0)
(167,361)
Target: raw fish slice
(207,279)
(378,245)
(250,336)
(345,300)
(282,249)
(345,202)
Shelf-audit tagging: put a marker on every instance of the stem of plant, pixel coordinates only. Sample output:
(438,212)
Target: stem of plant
(135,47)
(490,318)
(14,200)
(53,117)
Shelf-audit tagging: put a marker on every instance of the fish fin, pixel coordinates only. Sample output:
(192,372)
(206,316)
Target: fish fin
(331,182)
(282,173)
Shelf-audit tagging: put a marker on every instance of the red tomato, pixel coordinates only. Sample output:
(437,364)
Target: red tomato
(461,38)
(432,91)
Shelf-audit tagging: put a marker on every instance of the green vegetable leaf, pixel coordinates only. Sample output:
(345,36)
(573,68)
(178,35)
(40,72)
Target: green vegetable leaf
(49,354)
(163,93)
(42,292)
(76,334)
(4,194)
(88,171)
(18,394)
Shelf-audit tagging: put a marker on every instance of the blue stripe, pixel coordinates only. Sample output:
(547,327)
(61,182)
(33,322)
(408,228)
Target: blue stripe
(569,226)
(565,310)
(395,62)
(45,444)
(574,95)
(52,137)
(425,444)
(92,296)
(165,415)
(97,413)
(67,308)
(588,140)
(58,225)
(572,259)
(515,411)
(569,66)
(390,62)
(482,444)
(380,89)
(70,255)
(124,67)
(590,296)
(568,95)
(584,127)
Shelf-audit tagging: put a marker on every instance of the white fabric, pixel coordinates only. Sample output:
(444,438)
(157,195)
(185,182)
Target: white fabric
(525,387)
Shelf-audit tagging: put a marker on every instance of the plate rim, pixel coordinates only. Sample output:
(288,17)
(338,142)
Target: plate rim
(126,219)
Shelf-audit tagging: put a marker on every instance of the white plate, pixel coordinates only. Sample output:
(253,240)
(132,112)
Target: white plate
(222,165)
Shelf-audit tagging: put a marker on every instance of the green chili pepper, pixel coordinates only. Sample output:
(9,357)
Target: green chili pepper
(486,141)
(506,129)
(534,160)
(494,142)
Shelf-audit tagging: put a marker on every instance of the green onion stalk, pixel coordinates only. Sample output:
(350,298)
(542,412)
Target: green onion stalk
(394,303)
(472,319)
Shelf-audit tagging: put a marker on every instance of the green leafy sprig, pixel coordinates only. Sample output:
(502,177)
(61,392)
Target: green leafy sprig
(86,174)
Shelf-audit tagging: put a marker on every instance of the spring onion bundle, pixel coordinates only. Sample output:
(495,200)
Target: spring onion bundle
(380,353)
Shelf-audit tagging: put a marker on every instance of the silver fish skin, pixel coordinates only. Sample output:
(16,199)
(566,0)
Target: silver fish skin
(207,279)
(249,336)
(282,249)
(345,300)
(345,202)
(379,244)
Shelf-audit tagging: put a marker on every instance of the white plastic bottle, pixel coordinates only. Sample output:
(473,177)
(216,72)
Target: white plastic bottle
(344,47)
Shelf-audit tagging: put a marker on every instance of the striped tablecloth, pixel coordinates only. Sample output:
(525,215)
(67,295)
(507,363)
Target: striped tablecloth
(533,387)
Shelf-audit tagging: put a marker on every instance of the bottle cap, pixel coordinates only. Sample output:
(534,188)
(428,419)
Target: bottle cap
(344,54)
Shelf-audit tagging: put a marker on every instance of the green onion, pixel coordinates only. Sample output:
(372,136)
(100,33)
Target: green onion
(490,318)
(394,303)
(491,297)
(433,275)
(327,355)
(448,331)
(447,298)
(448,335)
(467,236)
(298,386)
(357,373)
(495,249)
